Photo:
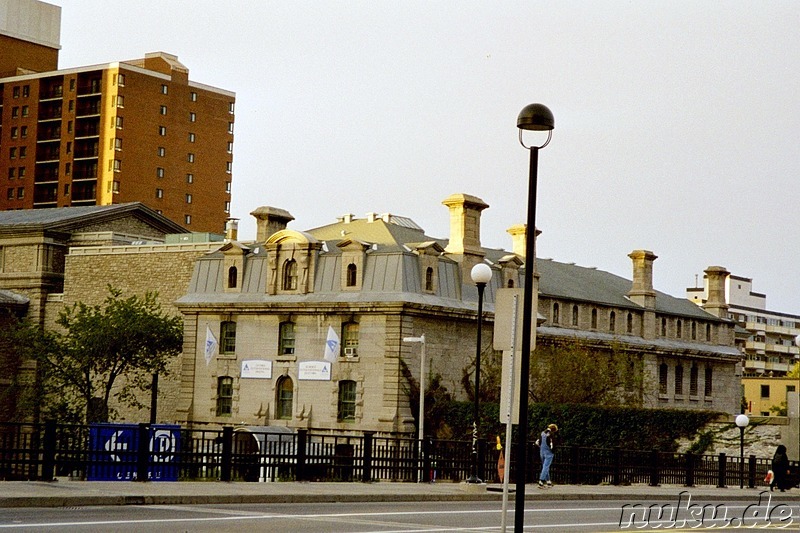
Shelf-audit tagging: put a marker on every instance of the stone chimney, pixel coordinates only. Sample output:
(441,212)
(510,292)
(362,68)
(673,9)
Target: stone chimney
(270,220)
(716,303)
(232,229)
(465,224)
(642,292)
(519,237)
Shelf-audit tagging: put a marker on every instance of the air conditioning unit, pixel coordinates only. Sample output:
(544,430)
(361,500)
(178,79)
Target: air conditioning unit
(351,351)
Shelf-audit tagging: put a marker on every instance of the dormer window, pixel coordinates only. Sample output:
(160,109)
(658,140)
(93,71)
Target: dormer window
(612,322)
(352,275)
(429,279)
(233,277)
(290,275)
(594,318)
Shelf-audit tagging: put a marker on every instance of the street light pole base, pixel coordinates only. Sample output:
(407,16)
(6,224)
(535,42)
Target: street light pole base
(474,479)
(468,486)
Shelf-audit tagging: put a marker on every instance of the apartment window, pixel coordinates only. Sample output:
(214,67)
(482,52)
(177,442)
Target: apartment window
(26,91)
(69,147)
(23,152)
(11,172)
(191,137)
(23,132)
(555,313)
(189,178)
(190,157)
(20,192)
(612,322)
(117,144)
(67,168)
(629,328)
(227,337)
(346,411)
(14,132)
(230,147)
(574,315)
(679,380)
(228,186)
(350,339)
(24,111)
(188,198)
(285,393)
(286,340)
(120,101)
(693,381)
(163,110)
(120,80)
(15,92)
(115,187)
(230,127)
(72,82)
(66,189)
(159,193)
(69,126)
(118,123)
(228,167)
(594,318)
(164,89)
(117,165)
(663,372)
(352,275)
(230,107)
(10,193)
(162,130)
(159,172)
(192,117)
(71,106)
(12,152)
(227,207)
(709,381)
(224,396)
(193,96)
(290,275)
(765,391)
(187,219)
(162,151)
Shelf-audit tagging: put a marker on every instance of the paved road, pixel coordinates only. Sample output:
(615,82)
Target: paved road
(387,517)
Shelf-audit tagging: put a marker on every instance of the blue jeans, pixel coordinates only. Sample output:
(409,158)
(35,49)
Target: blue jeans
(547,459)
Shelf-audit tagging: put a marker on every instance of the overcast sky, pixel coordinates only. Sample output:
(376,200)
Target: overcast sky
(676,122)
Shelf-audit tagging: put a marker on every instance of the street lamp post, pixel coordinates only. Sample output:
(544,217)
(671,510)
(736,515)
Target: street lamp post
(421,419)
(742,421)
(481,274)
(534,117)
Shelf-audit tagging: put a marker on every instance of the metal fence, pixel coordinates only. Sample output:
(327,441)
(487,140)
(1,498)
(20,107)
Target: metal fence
(50,450)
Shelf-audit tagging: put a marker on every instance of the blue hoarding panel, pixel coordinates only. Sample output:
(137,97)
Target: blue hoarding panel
(114,451)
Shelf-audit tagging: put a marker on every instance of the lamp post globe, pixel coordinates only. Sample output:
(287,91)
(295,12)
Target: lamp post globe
(481,274)
(742,421)
(537,118)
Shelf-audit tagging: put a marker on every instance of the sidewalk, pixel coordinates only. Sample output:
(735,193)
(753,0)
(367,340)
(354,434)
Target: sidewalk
(86,493)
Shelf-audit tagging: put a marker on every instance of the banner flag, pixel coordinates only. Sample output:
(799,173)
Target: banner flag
(331,345)
(211,345)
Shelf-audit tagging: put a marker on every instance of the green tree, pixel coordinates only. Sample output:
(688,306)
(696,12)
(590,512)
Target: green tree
(131,337)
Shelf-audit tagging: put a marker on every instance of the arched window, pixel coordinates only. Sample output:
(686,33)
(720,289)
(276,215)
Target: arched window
(227,337)
(233,277)
(285,397)
(612,322)
(224,396)
(510,284)
(662,378)
(694,331)
(555,313)
(429,279)
(347,401)
(287,338)
(352,274)
(290,275)
(679,329)
(594,318)
(630,323)
(350,339)
(574,315)
(679,380)
(663,327)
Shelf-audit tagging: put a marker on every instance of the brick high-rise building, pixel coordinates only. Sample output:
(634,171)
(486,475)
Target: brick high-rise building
(120,132)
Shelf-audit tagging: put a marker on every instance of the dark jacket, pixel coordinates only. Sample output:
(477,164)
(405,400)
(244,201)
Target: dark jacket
(780,468)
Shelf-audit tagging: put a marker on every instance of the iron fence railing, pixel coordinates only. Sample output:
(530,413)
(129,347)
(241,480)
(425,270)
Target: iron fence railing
(50,450)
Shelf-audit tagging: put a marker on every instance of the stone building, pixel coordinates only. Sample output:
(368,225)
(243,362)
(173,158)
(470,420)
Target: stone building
(266,308)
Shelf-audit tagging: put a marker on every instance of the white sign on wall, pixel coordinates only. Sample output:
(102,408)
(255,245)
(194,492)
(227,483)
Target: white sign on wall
(314,371)
(256,369)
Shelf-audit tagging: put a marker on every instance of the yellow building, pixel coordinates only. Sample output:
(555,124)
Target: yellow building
(761,394)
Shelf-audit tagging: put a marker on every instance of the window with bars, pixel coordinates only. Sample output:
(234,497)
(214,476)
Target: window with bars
(286,341)
(227,337)
(224,396)
(347,401)
(285,397)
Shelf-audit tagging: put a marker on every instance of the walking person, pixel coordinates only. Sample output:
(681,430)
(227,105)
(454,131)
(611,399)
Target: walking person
(780,469)
(546,453)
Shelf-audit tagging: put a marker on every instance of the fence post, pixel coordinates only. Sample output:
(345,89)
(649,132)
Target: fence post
(49,451)
(302,441)
(690,469)
(617,465)
(722,477)
(143,453)
(655,474)
(751,471)
(366,470)
(227,454)
(427,450)
(574,467)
